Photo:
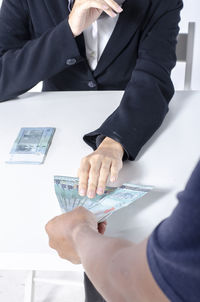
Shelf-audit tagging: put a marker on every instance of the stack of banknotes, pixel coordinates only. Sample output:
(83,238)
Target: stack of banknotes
(102,206)
(31,146)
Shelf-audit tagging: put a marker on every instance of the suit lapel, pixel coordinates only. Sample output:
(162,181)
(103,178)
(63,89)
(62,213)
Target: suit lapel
(128,22)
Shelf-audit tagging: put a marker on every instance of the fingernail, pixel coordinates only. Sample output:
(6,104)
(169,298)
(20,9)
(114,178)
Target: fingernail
(112,179)
(90,194)
(100,191)
(82,192)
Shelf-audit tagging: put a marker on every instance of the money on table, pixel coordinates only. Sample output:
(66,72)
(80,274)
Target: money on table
(31,146)
(113,199)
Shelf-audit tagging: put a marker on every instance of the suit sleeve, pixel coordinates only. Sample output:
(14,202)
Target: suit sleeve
(24,61)
(147,95)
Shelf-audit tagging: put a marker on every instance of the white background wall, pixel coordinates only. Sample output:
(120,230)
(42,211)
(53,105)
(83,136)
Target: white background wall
(191,12)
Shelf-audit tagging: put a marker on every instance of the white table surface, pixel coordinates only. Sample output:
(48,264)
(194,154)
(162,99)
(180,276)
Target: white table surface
(27,198)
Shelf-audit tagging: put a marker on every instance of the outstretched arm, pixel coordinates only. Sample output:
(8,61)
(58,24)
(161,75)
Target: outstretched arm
(117,268)
(150,89)
(145,101)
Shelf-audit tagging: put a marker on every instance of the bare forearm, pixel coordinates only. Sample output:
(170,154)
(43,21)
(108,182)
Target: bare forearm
(118,268)
(97,253)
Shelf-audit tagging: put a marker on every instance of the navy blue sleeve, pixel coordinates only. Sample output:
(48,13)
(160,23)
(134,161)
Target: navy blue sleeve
(24,60)
(145,101)
(174,247)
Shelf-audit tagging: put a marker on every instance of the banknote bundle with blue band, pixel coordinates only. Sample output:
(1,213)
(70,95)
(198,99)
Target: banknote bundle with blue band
(113,199)
(31,146)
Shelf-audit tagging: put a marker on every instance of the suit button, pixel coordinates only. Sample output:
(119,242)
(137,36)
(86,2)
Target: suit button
(91,84)
(71,61)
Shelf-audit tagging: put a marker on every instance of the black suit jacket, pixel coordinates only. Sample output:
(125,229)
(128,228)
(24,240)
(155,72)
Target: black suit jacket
(36,44)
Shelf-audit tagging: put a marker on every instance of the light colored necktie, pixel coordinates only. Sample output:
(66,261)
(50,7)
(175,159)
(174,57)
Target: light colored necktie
(103,15)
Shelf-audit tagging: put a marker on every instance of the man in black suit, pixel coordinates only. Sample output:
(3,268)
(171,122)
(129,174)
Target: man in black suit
(43,41)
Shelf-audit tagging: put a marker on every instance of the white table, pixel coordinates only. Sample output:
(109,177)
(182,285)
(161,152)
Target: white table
(27,198)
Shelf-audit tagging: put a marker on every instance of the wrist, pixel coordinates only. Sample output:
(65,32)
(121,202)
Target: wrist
(74,32)
(79,235)
(111,143)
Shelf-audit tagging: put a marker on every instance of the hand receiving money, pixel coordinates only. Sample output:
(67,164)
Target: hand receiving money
(96,168)
(102,206)
(83,212)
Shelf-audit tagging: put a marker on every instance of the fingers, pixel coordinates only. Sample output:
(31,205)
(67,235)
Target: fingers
(114,171)
(108,6)
(83,176)
(93,178)
(103,176)
(94,172)
(116,7)
(96,168)
(99,5)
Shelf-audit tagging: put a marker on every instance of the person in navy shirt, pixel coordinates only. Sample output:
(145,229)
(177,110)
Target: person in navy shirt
(165,267)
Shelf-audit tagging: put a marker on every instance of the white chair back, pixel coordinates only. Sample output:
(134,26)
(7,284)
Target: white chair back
(185,52)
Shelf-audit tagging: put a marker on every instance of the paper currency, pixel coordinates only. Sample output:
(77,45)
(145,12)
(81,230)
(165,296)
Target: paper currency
(31,146)
(102,206)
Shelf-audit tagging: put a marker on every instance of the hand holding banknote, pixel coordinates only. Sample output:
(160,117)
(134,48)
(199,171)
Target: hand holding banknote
(113,199)
(84,213)
(62,231)
(96,168)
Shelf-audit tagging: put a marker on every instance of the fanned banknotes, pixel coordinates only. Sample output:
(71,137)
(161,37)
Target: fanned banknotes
(31,146)
(102,206)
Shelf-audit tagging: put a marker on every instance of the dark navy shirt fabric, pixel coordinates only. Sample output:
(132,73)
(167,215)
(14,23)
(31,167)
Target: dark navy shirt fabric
(174,247)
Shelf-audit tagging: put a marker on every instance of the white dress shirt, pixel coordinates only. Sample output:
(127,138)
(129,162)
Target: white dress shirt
(96,37)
